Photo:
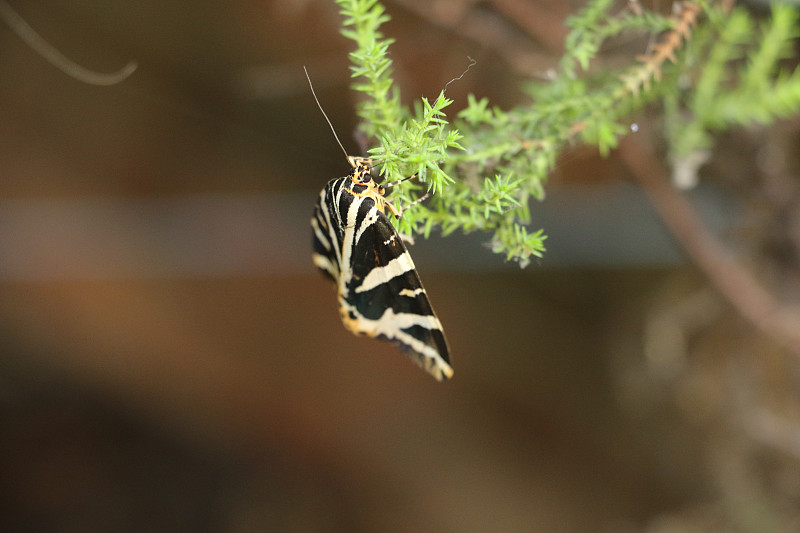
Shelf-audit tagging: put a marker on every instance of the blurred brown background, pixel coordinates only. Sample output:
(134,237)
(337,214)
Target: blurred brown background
(172,362)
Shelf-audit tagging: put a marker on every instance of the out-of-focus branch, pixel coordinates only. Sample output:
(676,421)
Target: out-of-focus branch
(543,20)
(55,57)
(486,28)
(753,301)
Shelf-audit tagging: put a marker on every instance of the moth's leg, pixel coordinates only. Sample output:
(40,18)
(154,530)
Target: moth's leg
(398,182)
(399,212)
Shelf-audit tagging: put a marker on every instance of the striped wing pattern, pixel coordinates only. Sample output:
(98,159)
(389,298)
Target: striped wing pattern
(380,293)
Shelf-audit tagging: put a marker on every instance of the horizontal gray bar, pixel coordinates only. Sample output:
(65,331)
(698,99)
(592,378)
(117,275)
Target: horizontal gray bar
(234,235)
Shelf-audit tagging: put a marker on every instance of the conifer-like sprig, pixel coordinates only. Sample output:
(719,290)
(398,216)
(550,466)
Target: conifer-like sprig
(710,68)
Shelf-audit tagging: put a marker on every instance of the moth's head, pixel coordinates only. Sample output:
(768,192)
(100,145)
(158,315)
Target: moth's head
(362,172)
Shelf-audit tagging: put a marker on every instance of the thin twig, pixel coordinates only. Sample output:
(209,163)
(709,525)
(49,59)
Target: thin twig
(753,301)
(56,58)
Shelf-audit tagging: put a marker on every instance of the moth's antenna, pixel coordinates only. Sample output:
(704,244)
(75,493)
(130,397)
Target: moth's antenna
(324,115)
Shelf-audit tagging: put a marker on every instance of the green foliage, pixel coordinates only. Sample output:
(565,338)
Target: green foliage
(407,144)
(708,69)
(738,79)
(371,64)
(590,28)
(420,143)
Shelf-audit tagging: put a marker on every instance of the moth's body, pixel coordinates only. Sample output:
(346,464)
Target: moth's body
(379,291)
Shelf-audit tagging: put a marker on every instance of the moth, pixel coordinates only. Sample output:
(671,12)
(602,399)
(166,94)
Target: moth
(379,291)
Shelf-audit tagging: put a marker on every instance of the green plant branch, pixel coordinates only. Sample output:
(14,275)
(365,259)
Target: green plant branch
(708,69)
(738,78)
(371,65)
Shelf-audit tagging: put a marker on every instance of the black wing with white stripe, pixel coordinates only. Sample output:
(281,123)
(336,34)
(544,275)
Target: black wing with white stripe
(380,293)
(327,231)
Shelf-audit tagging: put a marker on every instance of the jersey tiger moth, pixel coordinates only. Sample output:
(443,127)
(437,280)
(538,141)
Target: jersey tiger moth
(379,291)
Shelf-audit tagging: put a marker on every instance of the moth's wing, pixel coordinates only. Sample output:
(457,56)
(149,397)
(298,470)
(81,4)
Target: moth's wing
(327,234)
(383,296)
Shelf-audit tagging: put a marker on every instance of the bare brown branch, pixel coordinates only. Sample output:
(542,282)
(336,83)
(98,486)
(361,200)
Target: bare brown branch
(486,28)
(543,21)
(751,299)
